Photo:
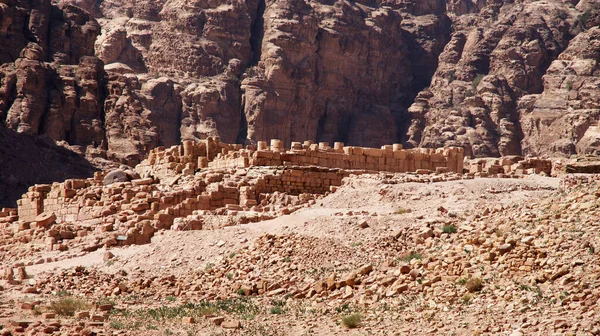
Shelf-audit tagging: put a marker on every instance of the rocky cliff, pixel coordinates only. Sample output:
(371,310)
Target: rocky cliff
(115,79)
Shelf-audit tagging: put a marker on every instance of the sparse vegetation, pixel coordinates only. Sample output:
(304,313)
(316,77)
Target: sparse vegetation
(449,229)
(276,310)
(569,85)
(411,256)
(401,211)
(477,81)
(467,298)
(474,285)
(238,306)
(583,18)
(67,306)
(352,321)
(117,325)
(63,293)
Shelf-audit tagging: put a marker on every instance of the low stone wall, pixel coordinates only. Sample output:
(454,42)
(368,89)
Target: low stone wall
(390,158)
(516,165)
(186,158)
(135,209)
(8,215)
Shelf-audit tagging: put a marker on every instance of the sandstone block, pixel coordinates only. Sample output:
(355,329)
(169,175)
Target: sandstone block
(45,219)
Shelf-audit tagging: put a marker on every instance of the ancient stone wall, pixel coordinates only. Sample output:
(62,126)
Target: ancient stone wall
(211,153)
(515,165)
(136,208)
(391,158)
(8,215)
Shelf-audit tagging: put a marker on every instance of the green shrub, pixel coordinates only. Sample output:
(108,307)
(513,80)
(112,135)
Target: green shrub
(474,285)
(449,229)
(68,306)
(476,81)
(352,321)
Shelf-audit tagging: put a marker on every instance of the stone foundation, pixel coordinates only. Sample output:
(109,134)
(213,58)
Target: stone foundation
(211,153)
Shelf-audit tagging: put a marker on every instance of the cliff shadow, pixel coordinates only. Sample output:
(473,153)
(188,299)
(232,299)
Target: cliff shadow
(26,160)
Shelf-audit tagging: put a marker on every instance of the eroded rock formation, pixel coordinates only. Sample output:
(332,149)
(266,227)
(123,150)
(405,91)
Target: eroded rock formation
(118,78)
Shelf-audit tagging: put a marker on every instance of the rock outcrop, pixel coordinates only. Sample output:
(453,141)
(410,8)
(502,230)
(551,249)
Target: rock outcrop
(564,117)
(51,82)
(486,73)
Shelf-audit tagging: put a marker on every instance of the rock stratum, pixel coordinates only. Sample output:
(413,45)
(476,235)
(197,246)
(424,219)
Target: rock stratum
(115,79)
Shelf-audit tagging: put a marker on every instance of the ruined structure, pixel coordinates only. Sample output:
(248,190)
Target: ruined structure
(210,184)
(184,184)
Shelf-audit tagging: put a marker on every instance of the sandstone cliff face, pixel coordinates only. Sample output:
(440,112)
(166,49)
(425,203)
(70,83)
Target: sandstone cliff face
(340,68)
(118,78)
(564,117)
(50,81)
(251,70)
(484,73)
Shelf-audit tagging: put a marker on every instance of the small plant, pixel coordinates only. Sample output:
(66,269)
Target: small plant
(524,287)
(68,306)
(462,281)
(171,298)
(583,18)
(411,256)
(63,293)
(118,325)
(467,298)
(287,259)
(591,249)
(209,266)
(241,292)
(449,229)
(104,301)
(343,308)
(357,244)
(276,310)
(451,75)
(476,81)
(352,321)
(232,254)
(229,275)
(569,85)
(474,285)
(401,211)
(278,303)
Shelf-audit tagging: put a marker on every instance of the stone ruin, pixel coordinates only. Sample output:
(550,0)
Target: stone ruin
(515,165)
(209,184)
(213,154)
